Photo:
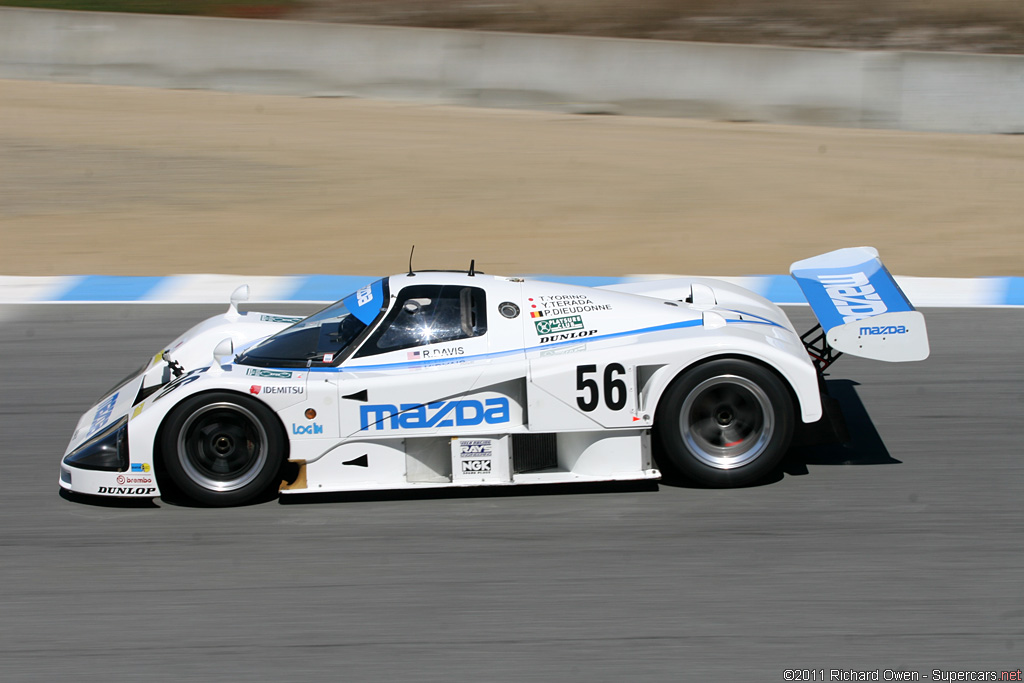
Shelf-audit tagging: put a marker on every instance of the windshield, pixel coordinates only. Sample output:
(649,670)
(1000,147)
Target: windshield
(323,337)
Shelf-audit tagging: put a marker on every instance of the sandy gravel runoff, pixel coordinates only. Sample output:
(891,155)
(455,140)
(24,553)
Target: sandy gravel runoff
(133,181)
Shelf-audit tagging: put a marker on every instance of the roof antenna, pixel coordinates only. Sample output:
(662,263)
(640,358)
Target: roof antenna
(411,274)
(472,267)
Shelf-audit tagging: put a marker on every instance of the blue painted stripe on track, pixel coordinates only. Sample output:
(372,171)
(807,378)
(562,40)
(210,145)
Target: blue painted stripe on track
(110,288)
(781,289)
(328,287)
(1014,294)
(581,280)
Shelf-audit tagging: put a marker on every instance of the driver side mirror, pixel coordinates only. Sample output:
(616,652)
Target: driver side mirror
(225,348)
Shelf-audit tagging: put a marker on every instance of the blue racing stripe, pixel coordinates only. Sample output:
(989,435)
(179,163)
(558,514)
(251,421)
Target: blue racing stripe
(110,288)
(420,363)
(568,342)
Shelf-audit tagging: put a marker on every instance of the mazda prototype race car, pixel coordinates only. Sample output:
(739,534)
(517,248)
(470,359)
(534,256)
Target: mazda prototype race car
(450,379)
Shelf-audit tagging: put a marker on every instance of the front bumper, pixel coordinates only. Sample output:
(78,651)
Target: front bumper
(98,461)
(117,484)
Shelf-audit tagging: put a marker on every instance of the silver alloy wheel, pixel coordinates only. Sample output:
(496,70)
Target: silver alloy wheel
(727,421)
(222,446)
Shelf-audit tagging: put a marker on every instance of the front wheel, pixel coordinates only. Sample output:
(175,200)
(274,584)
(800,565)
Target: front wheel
(222,448)
(725,423)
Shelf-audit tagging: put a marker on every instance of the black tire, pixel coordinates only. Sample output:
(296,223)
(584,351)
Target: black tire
(223,449)
(725,423)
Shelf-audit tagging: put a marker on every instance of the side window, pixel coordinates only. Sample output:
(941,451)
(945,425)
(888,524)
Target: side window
(429,314)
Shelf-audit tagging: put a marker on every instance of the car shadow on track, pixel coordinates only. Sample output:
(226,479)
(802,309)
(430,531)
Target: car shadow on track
(865,445)
(473,492)
(106,501)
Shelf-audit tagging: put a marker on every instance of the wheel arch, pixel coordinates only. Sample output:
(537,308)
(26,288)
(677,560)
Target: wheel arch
(158,454)
(670,379)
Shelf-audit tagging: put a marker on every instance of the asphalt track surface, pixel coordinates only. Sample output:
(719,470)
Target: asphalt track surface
(903,551)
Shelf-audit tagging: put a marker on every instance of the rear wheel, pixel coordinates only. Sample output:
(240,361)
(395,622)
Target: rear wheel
(222,449)
(725,423)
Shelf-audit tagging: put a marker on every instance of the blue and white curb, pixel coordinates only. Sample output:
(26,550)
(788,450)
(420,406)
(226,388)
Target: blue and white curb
(215,289)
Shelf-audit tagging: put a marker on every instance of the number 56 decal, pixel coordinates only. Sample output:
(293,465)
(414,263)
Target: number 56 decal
(614,387)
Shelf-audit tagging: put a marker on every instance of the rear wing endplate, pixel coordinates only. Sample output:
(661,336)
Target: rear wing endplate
(861,309)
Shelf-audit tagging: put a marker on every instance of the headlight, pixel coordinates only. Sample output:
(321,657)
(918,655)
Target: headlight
(107,451)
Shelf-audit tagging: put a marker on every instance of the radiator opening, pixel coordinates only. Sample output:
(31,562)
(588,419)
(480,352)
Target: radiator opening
(534,452)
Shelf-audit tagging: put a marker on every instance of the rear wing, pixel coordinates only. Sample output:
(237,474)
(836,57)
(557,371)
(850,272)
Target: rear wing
(861,309)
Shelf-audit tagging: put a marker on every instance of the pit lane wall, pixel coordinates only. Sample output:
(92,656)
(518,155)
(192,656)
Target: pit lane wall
(902,90)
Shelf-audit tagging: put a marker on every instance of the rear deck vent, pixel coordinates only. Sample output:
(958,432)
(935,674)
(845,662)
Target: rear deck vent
(532,452)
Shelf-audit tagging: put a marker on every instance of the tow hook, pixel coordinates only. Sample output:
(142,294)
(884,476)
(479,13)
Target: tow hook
(174,365)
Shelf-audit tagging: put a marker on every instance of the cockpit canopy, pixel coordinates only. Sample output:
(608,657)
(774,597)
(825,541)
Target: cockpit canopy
(422,314)
(325,335)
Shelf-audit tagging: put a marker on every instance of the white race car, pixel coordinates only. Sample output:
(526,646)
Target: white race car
(450,379)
